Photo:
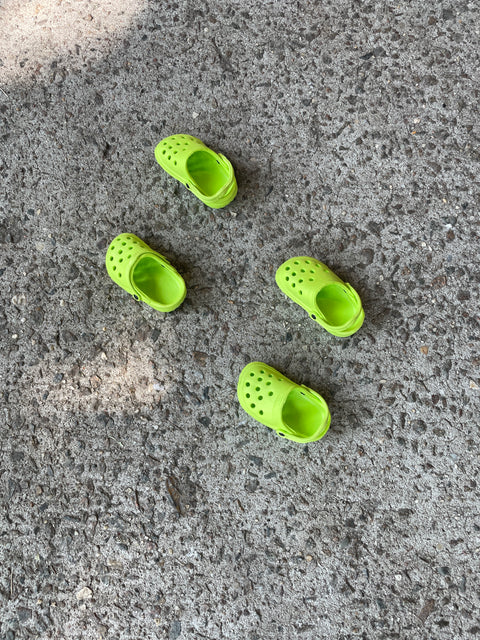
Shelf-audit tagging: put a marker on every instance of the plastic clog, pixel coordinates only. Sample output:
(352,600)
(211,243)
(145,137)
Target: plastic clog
(207,174)
(144,273)
(333,303)
(294,411)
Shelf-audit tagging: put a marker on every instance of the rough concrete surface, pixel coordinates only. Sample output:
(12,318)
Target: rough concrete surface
(138,500)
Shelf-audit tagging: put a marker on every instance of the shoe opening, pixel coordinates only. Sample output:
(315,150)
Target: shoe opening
(304,414)
(208,174)
(336,305)
(155,281)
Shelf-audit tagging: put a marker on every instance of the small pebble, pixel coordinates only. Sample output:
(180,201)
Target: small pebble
(84,594)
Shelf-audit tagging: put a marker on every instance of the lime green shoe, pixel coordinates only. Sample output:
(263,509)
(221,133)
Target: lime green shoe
(294,411)
(144,273)
(207,174)
(327,299)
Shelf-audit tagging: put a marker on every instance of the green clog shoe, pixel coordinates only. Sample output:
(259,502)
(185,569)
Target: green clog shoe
(294,411)
(144,273)
(207,174)
(333,303)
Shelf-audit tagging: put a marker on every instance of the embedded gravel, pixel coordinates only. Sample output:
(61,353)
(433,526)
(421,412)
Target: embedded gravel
(137,499)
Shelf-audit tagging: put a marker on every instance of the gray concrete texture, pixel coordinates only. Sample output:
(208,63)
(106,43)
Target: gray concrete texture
(138,500)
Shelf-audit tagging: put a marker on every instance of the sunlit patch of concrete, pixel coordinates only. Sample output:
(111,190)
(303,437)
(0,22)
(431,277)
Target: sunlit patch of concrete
(121,382)
(35,33)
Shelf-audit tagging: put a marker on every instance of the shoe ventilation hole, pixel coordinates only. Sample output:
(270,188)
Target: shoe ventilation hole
(312,271)
(111,258)
(270,375)
(293,273)
(260,398)
(178,144)
(247,384)
(247,395)
(120,251)
(287,278)
(169,157)
(164,152)
(252,375)
(188,186)
(307,261)
(311,279)
(257,388)
(259,379)
(282,435)
(253,405)
(268,384)
(261,412)
(119,275)
(302,270)
(123,244)
(164,143)
(300,281)
(293,285)
(130,248)
(314,317)
(169,146)
(262,372)
(318,265)
(121,260)
(296,262)
(326,270)
(114,268)
(135,242)
(287,268)
(175,162)
(279,379)
(270,393)
(300,292)
(128,257)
